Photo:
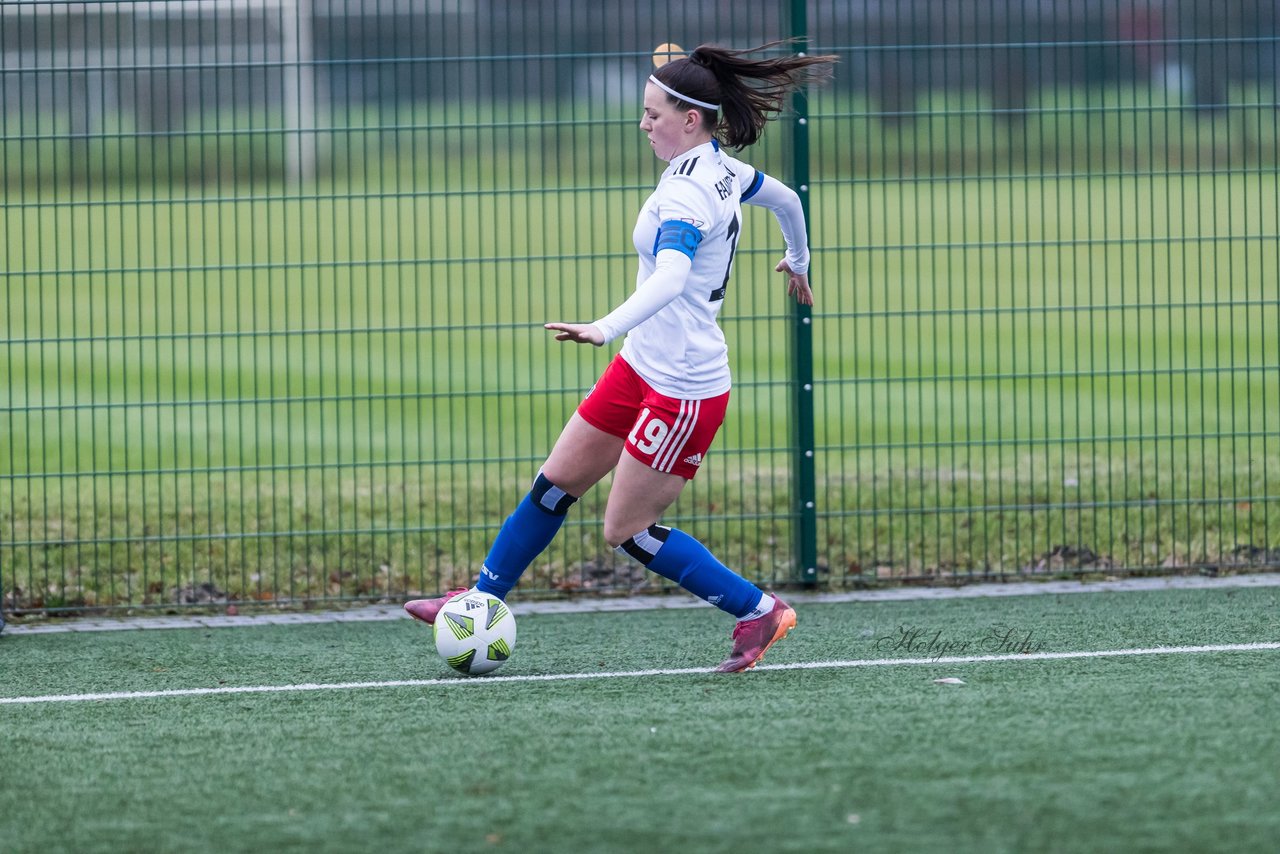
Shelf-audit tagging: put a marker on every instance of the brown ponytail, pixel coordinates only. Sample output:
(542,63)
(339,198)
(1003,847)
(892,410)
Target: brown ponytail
(749,91)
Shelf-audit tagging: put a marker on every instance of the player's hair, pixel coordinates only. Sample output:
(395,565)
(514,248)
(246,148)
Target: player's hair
(749,91)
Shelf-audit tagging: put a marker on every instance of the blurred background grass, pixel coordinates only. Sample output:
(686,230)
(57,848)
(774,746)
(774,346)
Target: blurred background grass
(328,396)
(1135,127)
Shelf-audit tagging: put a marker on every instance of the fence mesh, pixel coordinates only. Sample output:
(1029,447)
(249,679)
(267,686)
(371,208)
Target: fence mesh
(274,277)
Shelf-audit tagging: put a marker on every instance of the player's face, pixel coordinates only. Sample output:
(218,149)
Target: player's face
(666,125)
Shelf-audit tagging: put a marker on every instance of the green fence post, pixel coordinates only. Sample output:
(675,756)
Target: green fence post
(803,471)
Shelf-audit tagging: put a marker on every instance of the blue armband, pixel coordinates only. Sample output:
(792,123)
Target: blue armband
(678,235)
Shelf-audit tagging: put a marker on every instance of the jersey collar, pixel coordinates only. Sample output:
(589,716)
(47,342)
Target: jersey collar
(710,150)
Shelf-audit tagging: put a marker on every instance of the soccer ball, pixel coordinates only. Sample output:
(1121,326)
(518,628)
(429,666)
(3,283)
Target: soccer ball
(475,632)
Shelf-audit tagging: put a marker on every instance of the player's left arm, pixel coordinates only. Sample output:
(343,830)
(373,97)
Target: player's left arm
(677,242)
(654,293)
(672,263)
(785,203)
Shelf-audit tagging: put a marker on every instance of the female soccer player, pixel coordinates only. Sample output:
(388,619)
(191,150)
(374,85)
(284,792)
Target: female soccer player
(654,411)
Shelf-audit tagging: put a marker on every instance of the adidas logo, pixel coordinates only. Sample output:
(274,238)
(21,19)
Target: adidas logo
(472,604)
(695,460)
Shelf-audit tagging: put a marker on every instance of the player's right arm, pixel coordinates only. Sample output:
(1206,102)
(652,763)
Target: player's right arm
(783,201)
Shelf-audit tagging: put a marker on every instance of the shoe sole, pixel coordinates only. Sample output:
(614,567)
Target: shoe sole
(784,628)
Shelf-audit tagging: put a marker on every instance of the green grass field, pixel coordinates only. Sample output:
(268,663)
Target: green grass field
(337,320)
(1161,752)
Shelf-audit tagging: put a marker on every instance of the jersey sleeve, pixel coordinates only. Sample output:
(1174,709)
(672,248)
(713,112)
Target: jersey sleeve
(750,188)
(654,293)
(685,203)
(782,200)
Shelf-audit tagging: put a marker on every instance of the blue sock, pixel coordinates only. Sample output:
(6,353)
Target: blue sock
(675,555)
(525,534)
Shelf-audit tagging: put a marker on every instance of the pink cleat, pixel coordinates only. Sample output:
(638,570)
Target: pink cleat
(752,638)
(427,609)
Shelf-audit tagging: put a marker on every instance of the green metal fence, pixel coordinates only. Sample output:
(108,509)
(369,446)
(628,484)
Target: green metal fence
(275,272)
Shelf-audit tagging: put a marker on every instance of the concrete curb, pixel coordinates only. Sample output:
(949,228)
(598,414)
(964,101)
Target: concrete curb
(377,613)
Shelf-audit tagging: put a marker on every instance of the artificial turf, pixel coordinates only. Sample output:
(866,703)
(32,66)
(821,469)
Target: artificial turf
(1162,752)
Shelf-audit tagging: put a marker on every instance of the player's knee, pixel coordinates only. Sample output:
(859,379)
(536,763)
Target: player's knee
(615,536)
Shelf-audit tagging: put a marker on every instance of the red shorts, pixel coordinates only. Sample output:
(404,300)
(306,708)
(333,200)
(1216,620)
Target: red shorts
(665,433)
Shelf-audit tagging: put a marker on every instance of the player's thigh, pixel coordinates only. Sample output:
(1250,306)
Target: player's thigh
(582,456)
(639,496)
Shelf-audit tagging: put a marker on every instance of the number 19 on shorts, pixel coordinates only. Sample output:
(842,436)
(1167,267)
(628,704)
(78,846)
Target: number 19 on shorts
(675,440)
(648,432)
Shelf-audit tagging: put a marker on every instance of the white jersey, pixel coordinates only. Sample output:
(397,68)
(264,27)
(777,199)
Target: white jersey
(681,351)
(673,340)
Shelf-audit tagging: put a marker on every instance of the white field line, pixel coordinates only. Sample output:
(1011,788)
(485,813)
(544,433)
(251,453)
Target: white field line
(460,682)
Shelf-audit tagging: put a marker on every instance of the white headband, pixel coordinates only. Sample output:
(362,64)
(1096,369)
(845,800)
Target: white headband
(673,93)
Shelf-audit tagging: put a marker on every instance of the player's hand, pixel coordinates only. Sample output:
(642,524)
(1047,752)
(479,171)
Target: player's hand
(797,283)
(578,333)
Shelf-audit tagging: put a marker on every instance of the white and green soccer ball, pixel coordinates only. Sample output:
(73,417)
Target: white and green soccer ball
(475,632)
